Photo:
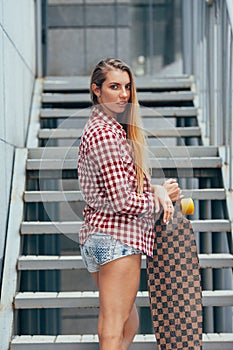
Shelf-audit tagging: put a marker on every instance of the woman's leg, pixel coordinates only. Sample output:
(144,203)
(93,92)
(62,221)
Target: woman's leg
(118,283)
(131,325)
(130,328)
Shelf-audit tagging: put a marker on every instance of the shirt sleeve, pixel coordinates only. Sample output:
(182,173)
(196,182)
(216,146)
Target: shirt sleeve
(107,153)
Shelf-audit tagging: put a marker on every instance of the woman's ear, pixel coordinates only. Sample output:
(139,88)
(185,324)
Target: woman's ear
(95,89)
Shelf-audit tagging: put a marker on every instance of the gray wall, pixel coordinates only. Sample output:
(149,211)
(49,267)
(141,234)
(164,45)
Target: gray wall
(17,71)
(79,35)
(81,32)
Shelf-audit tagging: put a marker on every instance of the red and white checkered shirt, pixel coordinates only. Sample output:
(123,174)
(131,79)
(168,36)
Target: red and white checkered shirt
(108,183)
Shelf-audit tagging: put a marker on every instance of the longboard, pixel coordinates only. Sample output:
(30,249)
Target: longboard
(174,285)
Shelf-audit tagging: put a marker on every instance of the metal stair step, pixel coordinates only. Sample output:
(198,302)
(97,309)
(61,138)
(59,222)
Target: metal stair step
(205,194)
(178,132)
(211,341)
(157,163)
(76,196)
(152,112)
(81,83)
(158,151)
(29,300)
(75,262)
(60,133)
(53,196)
(142,96)
(73,227)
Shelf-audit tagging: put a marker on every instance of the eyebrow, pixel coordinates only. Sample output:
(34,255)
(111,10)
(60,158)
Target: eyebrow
(113,82)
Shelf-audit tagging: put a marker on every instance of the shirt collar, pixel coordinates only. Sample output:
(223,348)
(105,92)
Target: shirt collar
(97,111)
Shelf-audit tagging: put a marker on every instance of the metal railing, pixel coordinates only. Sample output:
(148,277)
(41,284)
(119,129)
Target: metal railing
(207,54)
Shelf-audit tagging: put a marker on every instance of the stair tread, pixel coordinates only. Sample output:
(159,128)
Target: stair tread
(177,163)
(90,299)
(72,227)
(51,262)
(82,82)
(152,112)
(158,151)
(68,196)
(66,340)
(166,132)
(172,76)
(48,97)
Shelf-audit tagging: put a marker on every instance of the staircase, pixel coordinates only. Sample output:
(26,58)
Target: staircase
(56,303)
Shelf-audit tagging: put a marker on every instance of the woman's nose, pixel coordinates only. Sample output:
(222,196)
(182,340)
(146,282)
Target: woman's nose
(123,92)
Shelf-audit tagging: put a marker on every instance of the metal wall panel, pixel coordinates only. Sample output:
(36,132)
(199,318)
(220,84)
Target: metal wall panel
(17,71)
(19,23)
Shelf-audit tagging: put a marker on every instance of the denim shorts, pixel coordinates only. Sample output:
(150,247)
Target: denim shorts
(101,248)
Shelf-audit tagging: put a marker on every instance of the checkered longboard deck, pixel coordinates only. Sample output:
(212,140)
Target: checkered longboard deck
(175,286)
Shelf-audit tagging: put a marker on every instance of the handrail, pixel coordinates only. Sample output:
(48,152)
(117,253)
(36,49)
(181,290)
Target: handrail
(208,55)
(9,281)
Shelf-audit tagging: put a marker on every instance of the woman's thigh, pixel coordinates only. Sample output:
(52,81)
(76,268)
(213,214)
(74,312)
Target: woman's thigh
(118,283)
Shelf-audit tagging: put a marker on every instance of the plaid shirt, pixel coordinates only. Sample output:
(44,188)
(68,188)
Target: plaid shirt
(108,182)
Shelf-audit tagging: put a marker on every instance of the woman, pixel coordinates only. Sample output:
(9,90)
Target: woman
(119,216)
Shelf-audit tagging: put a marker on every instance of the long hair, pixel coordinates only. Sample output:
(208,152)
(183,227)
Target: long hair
(131,116)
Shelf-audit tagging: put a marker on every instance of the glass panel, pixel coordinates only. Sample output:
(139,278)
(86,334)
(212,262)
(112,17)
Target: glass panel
(155,35)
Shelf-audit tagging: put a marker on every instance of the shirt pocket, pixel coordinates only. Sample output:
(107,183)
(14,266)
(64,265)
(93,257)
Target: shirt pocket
(130,171)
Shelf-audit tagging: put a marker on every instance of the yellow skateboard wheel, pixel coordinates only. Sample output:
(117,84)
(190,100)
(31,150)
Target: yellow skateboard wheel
(187,206)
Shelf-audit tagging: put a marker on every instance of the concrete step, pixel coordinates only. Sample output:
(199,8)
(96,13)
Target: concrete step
(38,300)
(211,341)
(75,262)
(73,227)
(178,132)
(80,83)
(157,163)
(152,112)
(158,151)
(173,96)
(76,196)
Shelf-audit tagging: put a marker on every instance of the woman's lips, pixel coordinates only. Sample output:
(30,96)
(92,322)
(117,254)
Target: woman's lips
(122,104)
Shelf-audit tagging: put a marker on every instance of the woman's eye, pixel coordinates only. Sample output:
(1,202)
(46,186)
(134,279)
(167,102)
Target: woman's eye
(128,87)
(114,86)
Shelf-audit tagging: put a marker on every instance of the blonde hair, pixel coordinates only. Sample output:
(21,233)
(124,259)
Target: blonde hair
(131,117)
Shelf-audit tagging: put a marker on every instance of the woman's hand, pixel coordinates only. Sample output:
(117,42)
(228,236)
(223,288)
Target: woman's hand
(173,189)
(162,198)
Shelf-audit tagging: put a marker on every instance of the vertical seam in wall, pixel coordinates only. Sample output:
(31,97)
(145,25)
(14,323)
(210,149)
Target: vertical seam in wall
(4,121)
(16,49)
(30,113)
(85,35)
(3,83)
(116,27)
